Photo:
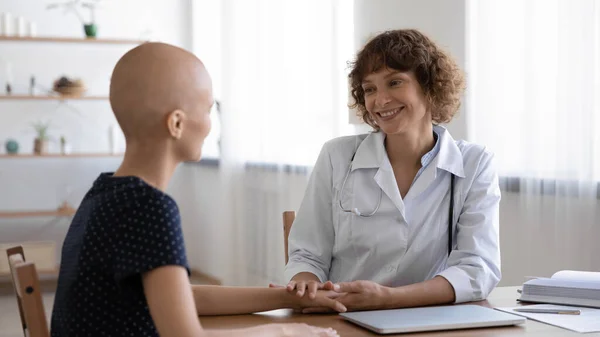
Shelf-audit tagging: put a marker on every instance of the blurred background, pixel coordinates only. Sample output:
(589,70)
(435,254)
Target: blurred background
(280,76)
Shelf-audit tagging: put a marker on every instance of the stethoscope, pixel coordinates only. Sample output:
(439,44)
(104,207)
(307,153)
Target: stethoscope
(356,212)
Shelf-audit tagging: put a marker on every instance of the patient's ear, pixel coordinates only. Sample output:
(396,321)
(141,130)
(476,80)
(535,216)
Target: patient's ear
(175,123)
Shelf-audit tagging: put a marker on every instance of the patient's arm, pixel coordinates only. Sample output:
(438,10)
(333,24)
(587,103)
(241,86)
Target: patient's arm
(172,308)
(220,300)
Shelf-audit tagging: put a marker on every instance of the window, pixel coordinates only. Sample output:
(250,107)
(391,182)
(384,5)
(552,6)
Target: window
(280,71)
(534,86)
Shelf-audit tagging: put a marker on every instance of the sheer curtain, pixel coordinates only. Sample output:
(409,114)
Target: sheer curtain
(279,71)
(534,98)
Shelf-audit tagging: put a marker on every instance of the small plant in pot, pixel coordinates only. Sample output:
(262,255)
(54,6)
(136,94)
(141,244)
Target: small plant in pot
(65,147)
(89,27)
(40,144)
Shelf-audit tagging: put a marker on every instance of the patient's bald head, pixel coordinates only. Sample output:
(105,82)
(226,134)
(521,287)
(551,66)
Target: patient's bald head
(162,95)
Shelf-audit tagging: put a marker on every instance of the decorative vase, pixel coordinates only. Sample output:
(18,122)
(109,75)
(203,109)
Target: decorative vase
(12,147)
(90,30)
(65,148)
(40,146)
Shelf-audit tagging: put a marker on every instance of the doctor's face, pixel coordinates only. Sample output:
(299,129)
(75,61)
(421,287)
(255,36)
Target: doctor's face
(395,100)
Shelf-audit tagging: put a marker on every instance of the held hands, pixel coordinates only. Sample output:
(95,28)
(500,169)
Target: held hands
(320,296)
(356,295)
(363,295)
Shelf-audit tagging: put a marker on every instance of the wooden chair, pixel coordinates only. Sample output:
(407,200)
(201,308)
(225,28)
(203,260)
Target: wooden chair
(288,220)
(29,298)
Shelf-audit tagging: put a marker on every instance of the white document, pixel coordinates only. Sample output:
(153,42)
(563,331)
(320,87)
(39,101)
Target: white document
(587,321)
(584,276)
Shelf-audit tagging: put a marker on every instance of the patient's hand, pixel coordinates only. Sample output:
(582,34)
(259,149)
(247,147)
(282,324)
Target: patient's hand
(327,300)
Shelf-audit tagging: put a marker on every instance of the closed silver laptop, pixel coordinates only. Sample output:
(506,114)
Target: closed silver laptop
(436,318)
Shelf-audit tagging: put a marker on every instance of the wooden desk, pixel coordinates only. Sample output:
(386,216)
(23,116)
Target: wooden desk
(500,297)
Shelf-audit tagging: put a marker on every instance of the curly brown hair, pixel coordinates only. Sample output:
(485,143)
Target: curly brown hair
(404,50)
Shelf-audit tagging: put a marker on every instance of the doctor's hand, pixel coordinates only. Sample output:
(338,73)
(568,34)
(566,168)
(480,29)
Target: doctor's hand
(302,287)
(359,295)
(363,295)
(323,301)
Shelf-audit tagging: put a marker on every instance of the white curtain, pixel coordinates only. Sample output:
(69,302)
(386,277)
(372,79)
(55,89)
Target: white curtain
(280,72)
(534,98)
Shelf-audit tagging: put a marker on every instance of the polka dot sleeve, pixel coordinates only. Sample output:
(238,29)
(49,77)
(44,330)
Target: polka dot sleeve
(149,237)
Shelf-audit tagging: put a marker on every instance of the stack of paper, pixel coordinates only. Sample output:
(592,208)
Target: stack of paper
(566,287)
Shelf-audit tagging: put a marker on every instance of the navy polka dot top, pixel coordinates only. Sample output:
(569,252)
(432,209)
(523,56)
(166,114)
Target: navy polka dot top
(123,228)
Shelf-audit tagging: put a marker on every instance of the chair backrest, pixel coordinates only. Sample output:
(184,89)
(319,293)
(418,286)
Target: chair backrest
(29,298)
(288,220)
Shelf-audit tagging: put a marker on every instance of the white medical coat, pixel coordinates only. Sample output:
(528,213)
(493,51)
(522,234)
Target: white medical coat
(406,241)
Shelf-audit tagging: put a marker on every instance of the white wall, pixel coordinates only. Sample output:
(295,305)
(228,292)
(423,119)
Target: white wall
(199,194)
(43,183)
(540,235)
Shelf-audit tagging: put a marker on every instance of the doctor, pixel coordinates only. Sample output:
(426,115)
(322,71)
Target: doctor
(406,215)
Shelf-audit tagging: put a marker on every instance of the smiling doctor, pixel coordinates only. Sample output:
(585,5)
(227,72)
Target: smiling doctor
(403,216)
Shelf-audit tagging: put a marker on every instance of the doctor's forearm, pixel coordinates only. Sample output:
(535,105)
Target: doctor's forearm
(435,291)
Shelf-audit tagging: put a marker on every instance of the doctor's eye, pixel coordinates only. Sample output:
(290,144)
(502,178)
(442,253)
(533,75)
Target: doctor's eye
(369,90)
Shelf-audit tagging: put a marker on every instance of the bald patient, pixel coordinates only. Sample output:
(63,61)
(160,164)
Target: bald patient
(124,270)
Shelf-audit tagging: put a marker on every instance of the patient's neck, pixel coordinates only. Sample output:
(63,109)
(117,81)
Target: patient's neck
(150,161)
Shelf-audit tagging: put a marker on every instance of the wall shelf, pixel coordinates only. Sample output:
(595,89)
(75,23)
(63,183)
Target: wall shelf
(51,98)
(58,155)
(63,210)
(69,40)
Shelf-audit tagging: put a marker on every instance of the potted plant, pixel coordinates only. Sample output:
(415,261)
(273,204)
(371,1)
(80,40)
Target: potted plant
(40,143)
(65,147)
(89,27)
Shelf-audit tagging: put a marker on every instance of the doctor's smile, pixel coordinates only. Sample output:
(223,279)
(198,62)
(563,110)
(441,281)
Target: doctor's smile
(389,114)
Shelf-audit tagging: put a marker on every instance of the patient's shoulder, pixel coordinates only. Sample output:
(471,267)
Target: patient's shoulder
(126,201)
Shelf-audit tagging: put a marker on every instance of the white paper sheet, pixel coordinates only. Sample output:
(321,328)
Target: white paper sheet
(587,321)
(577,275)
